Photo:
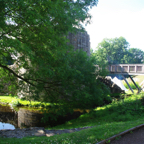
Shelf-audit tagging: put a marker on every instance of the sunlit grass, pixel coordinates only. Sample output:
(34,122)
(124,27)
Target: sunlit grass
(19,102)
(88,136)
(108,113)
(107,121)
(137,78)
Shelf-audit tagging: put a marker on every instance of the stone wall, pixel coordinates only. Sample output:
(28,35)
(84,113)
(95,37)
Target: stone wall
(81,40)
(29,118)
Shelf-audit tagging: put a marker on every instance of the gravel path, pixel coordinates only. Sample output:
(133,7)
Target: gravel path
(36,131)
(132,137)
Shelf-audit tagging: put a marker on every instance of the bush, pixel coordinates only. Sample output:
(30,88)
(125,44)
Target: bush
(78,88)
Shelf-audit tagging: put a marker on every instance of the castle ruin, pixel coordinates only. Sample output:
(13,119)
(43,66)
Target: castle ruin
(81,40)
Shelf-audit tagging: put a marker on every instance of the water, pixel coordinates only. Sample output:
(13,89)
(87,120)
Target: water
(6,126)
(11,119)
(25,117)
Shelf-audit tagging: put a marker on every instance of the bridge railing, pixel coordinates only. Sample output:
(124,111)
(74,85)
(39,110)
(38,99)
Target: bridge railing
(126,68)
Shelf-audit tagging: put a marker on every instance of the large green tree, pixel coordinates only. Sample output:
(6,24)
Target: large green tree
(135,56)
(112,51)
(117,51)
(33,38)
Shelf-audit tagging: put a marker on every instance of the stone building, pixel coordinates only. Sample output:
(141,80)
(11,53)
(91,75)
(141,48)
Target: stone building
(81,40)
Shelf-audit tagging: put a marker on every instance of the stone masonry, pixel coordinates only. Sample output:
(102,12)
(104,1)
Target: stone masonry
(81,40)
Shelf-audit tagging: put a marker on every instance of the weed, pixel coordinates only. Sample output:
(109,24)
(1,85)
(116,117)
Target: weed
(117,138)
(131,132)
(108,141)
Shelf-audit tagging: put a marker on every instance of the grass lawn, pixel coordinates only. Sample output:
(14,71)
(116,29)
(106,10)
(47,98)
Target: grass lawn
(108,120)
(88,136)
(137,78)
(19,102)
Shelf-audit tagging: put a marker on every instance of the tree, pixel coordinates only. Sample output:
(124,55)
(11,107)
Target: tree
(33,33)
(117,51)
(112,51)
(135,56)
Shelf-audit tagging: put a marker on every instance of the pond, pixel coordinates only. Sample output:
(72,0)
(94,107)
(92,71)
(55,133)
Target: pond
(11,119)
(6,126)
(25,117)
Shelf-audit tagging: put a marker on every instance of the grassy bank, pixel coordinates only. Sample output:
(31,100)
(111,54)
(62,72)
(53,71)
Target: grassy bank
(138,79)
(14,101)
(108,120)
(88,136)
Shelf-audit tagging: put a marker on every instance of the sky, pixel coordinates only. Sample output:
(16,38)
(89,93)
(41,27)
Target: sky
(115,18)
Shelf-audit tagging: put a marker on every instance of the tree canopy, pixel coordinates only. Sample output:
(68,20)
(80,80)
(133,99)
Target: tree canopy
(135,56)
(117,51)
(42,65)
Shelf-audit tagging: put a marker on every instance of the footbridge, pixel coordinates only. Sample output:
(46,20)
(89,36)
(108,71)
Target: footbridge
(127,69)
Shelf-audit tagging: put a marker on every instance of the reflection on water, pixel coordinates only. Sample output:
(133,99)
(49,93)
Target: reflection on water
(24,117)
(6,126)
(11,119)
(8,117)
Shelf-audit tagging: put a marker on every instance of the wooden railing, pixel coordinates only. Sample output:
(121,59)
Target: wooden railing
(127,69)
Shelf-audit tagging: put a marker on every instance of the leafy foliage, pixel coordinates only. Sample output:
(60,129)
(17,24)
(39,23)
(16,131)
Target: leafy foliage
(8,83)
(33,36)
(117,51)
(135,56)
(78,88)
(111,51)
(45,67)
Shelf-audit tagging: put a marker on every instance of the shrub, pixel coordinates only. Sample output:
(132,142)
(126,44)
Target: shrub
(79,88)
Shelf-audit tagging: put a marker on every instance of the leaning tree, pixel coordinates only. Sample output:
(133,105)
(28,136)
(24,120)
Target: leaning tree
(35,55)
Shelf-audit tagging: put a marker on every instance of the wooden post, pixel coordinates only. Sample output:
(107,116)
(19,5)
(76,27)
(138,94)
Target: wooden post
(127,83)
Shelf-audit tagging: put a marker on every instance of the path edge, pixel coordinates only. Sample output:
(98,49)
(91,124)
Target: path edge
(121,134)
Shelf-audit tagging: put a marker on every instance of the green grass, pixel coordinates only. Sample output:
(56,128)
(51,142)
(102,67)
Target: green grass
(123,110)
(108,120)
(88,136)
(131,85)
(138,79)
(130,92)
(19,102)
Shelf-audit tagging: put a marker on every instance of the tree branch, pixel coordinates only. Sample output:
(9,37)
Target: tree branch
(11,71)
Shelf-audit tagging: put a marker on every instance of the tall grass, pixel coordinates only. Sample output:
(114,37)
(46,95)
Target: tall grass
(132,85)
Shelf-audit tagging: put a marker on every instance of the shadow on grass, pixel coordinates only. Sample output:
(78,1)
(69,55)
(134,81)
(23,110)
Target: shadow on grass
(108,121)
(127,109)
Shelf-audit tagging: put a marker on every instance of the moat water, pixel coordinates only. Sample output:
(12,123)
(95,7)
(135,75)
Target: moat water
(6,126)
(22,117)
(25,117)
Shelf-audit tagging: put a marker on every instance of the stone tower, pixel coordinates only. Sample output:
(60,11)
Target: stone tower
(81,40)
